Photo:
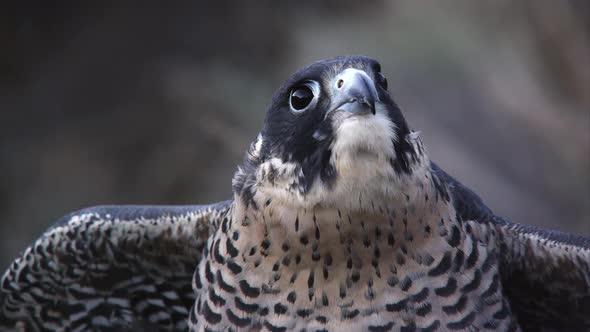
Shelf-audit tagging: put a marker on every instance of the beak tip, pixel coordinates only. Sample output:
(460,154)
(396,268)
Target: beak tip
(370,103)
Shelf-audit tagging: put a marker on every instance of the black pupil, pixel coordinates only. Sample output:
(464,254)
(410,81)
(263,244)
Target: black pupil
(301,97)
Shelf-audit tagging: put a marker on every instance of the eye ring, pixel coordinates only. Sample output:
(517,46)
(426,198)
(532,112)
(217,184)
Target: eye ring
(382,80)
(304,96)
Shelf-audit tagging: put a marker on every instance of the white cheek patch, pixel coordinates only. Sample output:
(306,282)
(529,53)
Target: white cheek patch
(257,147)
(362,152)
(360,139)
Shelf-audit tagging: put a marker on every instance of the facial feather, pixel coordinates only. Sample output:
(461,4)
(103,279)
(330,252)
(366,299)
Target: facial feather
(334,153)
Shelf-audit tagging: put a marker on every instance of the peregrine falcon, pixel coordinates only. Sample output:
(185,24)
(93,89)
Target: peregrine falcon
(339,222)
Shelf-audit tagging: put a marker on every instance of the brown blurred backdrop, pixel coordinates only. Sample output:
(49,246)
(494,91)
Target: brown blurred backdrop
(155,105)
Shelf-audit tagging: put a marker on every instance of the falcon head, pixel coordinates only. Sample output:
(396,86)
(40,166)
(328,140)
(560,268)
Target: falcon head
(332,136)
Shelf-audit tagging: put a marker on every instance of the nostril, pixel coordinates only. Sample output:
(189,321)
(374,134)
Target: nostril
(340,83)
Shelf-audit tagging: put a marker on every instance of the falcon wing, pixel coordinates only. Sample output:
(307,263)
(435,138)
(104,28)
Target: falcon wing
(110,267)
(545,274)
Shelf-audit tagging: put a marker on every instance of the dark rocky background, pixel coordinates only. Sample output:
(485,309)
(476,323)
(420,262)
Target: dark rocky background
(155,104)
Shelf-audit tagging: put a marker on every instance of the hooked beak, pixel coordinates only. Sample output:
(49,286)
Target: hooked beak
(354,92)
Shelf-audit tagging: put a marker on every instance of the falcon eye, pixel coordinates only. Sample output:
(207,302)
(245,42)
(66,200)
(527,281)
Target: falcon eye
(382,80)
(303,95)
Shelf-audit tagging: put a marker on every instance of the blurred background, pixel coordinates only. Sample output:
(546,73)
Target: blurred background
(156,105)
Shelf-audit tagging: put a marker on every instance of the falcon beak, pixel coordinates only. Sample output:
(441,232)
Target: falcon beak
(354,92)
